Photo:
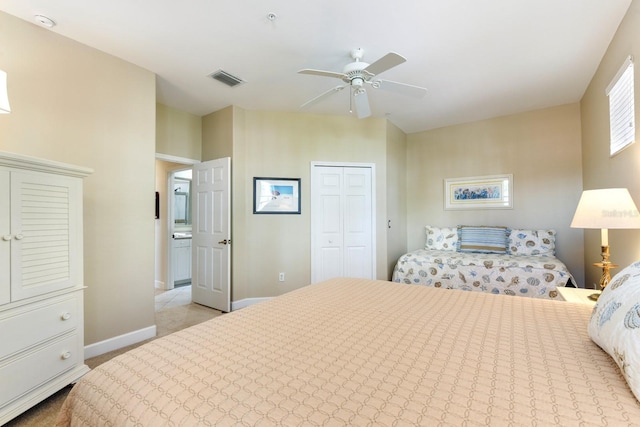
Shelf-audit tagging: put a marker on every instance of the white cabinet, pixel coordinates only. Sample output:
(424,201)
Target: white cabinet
(41,280)
(181,260)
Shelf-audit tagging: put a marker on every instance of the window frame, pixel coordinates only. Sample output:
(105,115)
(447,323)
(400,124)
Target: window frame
(622,108)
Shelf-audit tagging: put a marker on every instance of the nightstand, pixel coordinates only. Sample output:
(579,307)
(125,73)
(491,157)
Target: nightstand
(577,295)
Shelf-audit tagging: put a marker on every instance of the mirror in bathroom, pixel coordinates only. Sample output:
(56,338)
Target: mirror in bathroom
(182,203)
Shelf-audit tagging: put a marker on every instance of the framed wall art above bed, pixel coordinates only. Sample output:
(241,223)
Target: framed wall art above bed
(479,192)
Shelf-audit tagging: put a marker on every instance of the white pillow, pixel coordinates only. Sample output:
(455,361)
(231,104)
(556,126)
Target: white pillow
(615,323)
(441,238)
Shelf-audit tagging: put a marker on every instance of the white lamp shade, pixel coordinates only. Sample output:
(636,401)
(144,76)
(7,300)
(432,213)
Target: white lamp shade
(606,208)
(4,96)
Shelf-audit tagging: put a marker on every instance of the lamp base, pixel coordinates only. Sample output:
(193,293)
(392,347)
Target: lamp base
(606,265)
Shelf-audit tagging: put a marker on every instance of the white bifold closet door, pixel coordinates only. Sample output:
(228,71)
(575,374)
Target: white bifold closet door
(342,222)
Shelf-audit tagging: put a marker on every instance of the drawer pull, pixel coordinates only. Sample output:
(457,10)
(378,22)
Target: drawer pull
(65,316)
(65,355)
(7,237)
(19,236)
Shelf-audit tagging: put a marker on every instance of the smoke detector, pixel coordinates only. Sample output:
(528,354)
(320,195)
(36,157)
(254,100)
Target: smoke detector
(45,21)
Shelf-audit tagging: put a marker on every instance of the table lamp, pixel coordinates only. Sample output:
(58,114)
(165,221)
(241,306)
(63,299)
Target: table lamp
(605,209)
(4,96)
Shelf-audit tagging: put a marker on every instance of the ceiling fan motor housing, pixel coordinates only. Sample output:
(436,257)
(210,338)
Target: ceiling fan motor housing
(354,73)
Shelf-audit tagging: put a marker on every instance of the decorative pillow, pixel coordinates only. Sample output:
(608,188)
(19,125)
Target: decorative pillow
(443,239)
(615,323)
(487,240)
(525,242)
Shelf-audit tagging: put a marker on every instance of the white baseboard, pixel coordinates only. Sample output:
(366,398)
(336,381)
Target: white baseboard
(115,343)
(237,305)
(159,284)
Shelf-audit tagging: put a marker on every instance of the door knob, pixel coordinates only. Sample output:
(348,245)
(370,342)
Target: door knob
(225,242)
(7,237)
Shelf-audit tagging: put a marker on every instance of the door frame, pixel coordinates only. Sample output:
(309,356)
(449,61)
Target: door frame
(171,224)
(372,166)
(168,213)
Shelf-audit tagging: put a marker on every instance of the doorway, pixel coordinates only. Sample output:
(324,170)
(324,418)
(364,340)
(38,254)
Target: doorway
(179,214)
(165,219)
(193,229)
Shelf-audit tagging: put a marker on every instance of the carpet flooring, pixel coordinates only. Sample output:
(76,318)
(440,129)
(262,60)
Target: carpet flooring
(174,311)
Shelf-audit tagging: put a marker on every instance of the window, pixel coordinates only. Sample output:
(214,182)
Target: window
(621,108)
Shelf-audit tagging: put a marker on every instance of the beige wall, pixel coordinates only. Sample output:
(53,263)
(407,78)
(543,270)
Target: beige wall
(540,148)
(178,133)
(74,104)
(622,170)
(273,144)
(396,232)
(218,134)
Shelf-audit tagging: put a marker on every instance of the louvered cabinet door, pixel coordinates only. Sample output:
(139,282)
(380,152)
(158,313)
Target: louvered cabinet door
(45,235)
(5,238)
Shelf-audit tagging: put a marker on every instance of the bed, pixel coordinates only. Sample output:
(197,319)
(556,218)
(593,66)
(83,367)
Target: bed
(497,260)
(366,352)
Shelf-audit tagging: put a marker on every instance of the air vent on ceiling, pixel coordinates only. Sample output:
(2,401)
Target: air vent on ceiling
(226,78)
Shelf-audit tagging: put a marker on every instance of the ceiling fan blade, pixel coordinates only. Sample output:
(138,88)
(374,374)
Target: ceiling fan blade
(361,100)
(323,95)
(322,73)
(402,88)
(388,61)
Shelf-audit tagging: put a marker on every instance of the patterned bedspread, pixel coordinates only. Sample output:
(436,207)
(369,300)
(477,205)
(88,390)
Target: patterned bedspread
(531,276)
(353,352)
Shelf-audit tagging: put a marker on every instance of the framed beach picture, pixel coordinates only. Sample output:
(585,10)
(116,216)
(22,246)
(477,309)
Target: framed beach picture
(276,195)
(479,192)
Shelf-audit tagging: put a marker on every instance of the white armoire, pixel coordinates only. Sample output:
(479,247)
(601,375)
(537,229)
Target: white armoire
(41,280)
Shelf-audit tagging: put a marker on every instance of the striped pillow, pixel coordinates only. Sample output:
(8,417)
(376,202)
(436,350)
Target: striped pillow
(486,240)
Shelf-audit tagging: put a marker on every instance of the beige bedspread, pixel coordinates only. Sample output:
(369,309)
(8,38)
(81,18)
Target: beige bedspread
(359,352)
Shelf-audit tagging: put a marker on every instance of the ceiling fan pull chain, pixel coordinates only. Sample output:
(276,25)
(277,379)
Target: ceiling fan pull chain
(350,99)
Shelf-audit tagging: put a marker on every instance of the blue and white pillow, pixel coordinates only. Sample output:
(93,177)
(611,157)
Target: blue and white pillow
(482,239)
(615,323)
(523,242)
(441,238)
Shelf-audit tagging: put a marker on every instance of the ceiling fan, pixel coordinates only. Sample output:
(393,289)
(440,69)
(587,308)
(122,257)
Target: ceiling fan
(356,74)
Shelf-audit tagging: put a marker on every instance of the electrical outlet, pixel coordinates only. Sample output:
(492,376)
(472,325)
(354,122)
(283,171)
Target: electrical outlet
(281,277)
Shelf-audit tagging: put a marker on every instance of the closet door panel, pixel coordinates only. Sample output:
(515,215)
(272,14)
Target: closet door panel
(358,223)
(342,222)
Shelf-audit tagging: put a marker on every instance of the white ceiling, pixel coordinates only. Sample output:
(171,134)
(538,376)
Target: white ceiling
(478,59)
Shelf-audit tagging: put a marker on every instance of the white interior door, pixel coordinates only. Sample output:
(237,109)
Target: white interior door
(342,222)
(211,234)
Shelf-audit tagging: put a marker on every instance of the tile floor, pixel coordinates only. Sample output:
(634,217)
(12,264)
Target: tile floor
(173,297)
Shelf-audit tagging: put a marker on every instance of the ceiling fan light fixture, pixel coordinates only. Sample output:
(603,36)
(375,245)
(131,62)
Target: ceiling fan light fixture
(357,73)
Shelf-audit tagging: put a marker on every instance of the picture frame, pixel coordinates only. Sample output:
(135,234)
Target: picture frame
(157,205)
(276,195)
(479,192)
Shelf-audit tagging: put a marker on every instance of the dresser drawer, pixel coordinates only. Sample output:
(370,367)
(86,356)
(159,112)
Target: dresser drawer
(28,325)
(36,367)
